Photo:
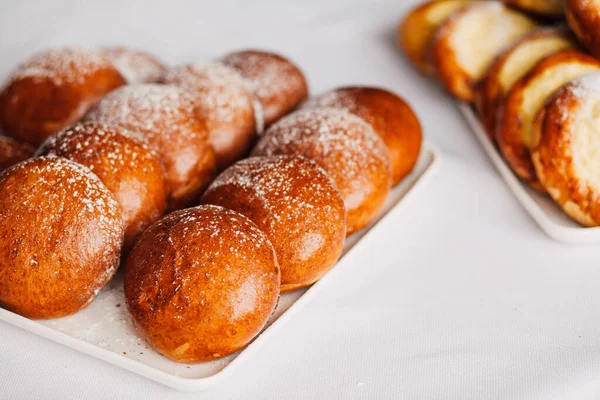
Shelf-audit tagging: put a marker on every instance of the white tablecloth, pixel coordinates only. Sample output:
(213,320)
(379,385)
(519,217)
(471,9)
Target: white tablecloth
(461,295)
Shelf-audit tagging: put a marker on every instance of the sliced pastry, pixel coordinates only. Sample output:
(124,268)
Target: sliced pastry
(515,129)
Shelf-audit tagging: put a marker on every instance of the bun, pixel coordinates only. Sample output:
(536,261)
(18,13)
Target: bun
(165,117)
(201,283)
(295,204)
(277,83)
(390,116)
(513,65)
(343,145)
(13,152)
(584,18)
(466,45)
(135,66)
(416,30)
(53,90)
(545,8)
(565,154)
(53,263)
(129,169)
(526,99)
(222,100)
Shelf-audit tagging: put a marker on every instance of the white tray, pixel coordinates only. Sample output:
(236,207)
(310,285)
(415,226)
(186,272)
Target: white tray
(548,215)
(103,329)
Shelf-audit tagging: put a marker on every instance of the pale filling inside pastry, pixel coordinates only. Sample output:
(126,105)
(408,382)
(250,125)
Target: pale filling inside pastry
(585,141)
(441,10)
(483,33)
(542,87)
(526,56)
(432,19)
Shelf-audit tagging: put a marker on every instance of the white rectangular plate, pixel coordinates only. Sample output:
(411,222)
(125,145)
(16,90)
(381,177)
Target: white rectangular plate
(103,330)
(548,215)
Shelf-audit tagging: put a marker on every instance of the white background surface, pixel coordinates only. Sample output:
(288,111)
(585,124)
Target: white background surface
(462,296)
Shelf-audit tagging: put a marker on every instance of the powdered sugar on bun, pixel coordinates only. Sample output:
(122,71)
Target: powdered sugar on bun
(128,167)
(53,90)
(295,203)
(65,237)
(346,147)
(165,116)
(61,65)
(136,66)
(278,84)
(201,283)
(225,104)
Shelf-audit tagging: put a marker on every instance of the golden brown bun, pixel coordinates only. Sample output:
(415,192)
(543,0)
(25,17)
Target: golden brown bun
(565,153)
(584,18)
(466,45)
(127,167)
(136,66)
(554,9)
(294,202)
(201,283)
(417,28)
(514,64)
(53,90)
(515,132)
(343,145)
(224,102)
(278,84)
(165,116)
(12,152)
(389,115)
(60,240)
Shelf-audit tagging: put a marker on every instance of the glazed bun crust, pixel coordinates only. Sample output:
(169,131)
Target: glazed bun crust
(201,283)
(554,9)
(13,152)
(128,168)
(53,264)
(165,117)
(278,84)
(566,148)
(346,147)
(417,29)
(525,100)
(584,18)
(467,43)
(224,103)
(295,204)
(513,65)
(53,90)
(136,66)
(389,115)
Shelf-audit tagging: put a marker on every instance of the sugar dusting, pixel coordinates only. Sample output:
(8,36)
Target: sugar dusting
(198,221)
(89,138)
(581,89)
(148,109)
(266,75)
(342,143)
(218,89)
(136,66)
(61,66)
(584,86)
(289,188)
(69,189)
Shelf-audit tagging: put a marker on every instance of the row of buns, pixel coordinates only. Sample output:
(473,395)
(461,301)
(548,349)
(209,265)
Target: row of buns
(532,80)
(215,185)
